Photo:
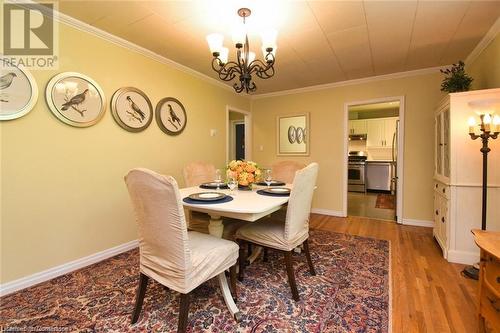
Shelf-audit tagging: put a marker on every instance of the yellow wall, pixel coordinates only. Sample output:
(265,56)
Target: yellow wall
(63,195)
(485,69)
(326,108)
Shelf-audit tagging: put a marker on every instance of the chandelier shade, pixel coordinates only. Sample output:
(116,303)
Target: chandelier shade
(246,65)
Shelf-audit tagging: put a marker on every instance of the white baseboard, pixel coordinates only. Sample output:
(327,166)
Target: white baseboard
(327,212)
(463,257)
(418,223)
(31,280)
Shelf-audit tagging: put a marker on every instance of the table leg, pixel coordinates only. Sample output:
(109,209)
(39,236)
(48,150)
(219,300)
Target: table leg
(215,228)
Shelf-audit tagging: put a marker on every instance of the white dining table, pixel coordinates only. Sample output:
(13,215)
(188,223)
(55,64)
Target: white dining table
(246,205)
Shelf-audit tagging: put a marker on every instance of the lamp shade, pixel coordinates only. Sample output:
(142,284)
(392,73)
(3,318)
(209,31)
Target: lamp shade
(264,51)
(269,38)
(223,56)
(215,42)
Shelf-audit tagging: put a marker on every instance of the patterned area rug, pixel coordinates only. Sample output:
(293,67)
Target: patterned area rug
(385,201)
(349,294)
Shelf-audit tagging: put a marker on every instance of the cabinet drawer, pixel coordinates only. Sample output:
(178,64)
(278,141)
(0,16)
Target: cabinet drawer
(442,189)
(490,307)
(492,275)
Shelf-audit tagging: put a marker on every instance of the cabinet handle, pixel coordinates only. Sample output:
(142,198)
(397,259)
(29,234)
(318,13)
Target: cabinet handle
(444,190)
(436,185)
(437,213)
(442,219)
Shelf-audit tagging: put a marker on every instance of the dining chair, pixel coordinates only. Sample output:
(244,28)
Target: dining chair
(197,173)
(178,259)
(285,235)
(285,170)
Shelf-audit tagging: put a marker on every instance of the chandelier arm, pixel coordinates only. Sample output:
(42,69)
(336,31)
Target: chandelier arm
(258,66)
(225,71)
(266,74)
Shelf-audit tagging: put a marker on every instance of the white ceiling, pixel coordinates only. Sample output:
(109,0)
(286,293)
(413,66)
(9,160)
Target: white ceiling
(318,42)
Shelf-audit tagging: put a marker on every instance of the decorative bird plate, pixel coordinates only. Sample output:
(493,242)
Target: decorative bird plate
(75,99)
(18,91)
(207,196)
(131,109)
(171,116)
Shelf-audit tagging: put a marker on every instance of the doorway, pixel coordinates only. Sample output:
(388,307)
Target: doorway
(374,158)
(238,141)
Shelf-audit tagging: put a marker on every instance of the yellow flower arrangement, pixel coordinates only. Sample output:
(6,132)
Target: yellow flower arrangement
(245,172)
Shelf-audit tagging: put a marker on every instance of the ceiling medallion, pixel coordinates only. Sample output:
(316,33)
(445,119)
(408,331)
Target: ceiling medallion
(245,65)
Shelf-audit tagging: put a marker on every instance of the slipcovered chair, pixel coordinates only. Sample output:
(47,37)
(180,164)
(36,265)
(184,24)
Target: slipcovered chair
(170,254)
(285,235)
(285,170)
(197,173)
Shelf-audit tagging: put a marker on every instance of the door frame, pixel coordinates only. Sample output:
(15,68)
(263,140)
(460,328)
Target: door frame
(400,164)
(248,132)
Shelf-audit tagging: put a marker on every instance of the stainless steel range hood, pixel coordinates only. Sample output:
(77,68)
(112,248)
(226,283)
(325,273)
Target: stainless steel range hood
(357,137)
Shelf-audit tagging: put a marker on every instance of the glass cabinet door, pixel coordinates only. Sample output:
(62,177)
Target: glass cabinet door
(446,142)
(439,151)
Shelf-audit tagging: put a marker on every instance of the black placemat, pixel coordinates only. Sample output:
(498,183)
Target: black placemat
(222,186)
(199,202)
(262,192)
(278,183)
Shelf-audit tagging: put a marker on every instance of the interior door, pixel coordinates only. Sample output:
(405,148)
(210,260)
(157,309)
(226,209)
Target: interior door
(240,141)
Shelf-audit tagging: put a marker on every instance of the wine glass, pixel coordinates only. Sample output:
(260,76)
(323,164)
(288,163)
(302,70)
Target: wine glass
(268,177)
(218,178)
(232,184)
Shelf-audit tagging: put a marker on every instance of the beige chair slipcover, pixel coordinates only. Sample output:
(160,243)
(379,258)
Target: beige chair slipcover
(285,170)
(170,254)
(294,230)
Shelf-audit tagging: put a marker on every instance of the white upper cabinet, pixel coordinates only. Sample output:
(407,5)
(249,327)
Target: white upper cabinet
(380,132)
(357,126)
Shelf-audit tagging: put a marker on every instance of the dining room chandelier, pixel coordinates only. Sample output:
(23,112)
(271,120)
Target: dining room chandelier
(245,64)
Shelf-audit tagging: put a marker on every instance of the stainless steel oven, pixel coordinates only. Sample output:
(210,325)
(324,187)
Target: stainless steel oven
(356,176)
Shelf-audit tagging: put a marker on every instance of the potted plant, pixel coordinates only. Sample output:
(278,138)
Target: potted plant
(456,79)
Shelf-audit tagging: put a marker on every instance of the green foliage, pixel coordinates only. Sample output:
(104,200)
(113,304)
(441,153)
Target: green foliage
(456,79)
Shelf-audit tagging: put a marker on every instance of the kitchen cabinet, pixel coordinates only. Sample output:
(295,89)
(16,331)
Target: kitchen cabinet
(357,126)
(380,132)
(458,177)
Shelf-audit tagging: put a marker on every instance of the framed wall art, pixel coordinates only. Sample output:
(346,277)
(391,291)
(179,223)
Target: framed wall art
(18,91)
(171,116)
(293,135)
(75,99)
(131,109)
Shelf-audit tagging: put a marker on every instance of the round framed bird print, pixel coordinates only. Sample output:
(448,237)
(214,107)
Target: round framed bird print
(171,116)
(18,91)
(131,109)
(75,99)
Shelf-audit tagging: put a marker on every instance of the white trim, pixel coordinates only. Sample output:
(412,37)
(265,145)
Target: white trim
(400,158)
(327,212)
(418,223)
(483,44)
(82,26)
(463,257)
(248,132)
(424,71)
(31,280)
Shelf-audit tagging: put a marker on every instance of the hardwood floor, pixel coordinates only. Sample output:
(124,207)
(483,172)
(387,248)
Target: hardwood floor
(428,293)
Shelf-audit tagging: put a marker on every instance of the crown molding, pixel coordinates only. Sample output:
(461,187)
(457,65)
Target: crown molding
(85,27)
(483,44)
(424,71)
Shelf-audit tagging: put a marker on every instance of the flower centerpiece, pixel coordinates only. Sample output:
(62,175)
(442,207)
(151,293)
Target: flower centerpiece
(245,172)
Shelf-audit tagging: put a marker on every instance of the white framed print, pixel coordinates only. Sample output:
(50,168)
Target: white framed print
(75,99)
(18,91)
(292,135)
(131,109)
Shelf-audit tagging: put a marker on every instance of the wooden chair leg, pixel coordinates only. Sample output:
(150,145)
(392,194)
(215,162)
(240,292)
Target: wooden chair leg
(291,276)
(183,313)
(232,282)
(242,259)
(308,256)
(249,250)
(139,298)
(265,257)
